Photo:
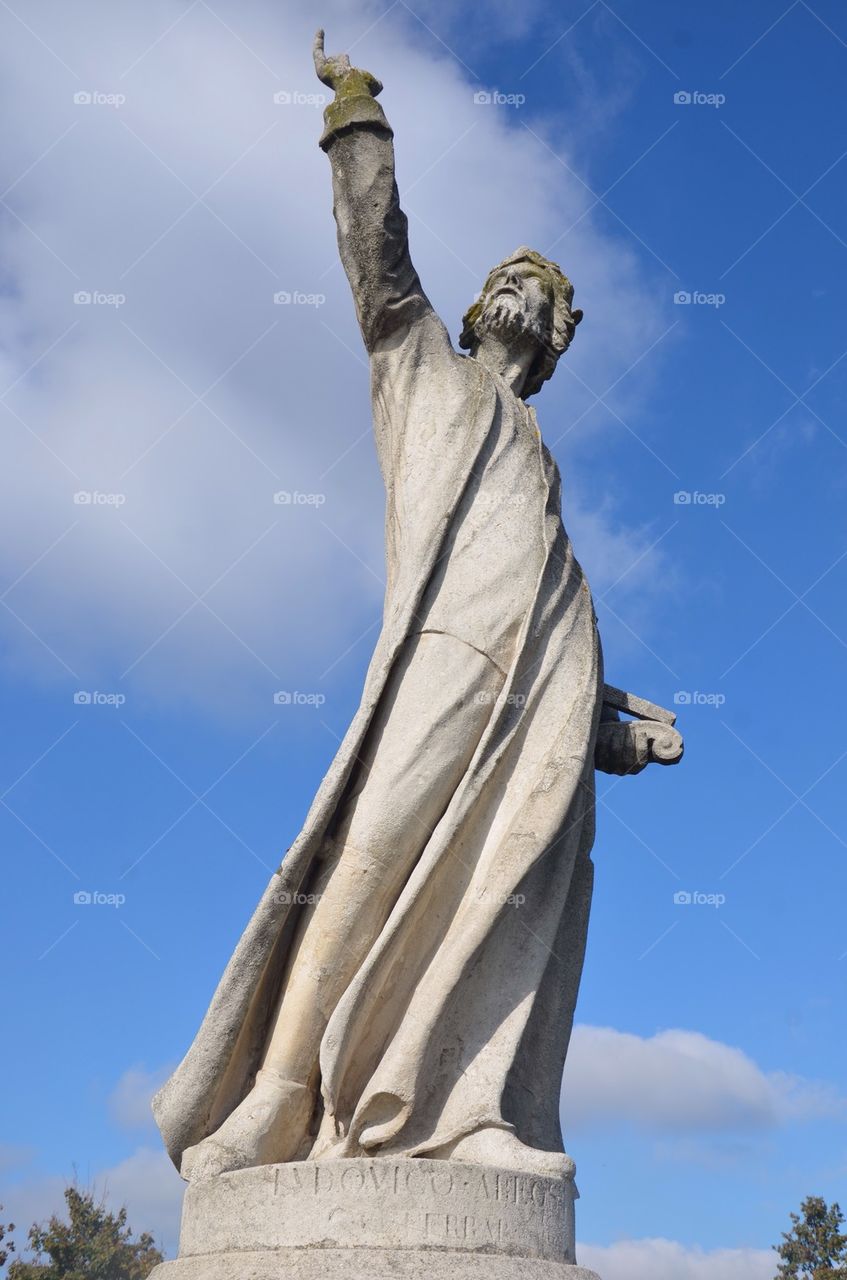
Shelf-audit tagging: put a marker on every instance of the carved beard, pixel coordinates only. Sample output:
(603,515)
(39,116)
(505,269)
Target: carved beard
(506,317)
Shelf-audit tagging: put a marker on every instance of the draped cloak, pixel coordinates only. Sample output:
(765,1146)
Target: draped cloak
(461,1012)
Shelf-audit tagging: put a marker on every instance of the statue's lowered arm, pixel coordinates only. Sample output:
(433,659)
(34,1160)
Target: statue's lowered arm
(372,228)
(628,746)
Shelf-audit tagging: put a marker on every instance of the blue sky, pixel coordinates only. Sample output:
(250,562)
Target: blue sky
(705,1096)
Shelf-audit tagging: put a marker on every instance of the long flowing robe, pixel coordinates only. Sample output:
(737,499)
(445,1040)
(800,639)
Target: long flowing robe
(461,1013)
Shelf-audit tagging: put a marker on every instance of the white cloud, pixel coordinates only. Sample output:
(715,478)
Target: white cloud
(152,1190)
(504,21)
(31,1201)
(105,399)
(146,1182)
(667,1260)
(129,1102)
(680,1081)
(620,555)
(14,1157)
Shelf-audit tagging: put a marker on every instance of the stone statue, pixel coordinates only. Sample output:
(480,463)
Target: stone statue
(406,986)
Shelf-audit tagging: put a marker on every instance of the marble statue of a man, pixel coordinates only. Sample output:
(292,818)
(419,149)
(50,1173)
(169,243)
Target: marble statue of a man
(406,986)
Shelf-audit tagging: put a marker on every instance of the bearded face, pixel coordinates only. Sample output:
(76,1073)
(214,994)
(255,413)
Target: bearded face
(525,303)
(518,304)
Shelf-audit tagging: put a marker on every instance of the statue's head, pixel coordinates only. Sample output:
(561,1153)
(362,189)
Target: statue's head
(526,296)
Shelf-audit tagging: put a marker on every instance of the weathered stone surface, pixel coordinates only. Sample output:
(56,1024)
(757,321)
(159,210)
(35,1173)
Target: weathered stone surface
(628,746)
(392,1204)
(375,1218)
(365,1264)
(620,700)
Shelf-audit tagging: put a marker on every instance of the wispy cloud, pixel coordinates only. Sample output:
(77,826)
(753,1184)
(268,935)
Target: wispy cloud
(668,1260)
(129,1102)
(679,1082)
(180,398)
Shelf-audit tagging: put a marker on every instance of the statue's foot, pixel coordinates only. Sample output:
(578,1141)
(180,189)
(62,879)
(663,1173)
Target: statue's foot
(267,1127)
(504,1149)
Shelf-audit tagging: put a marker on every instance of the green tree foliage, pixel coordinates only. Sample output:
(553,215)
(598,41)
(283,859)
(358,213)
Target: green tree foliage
(92,1245)
(815,1248)
(7,1245)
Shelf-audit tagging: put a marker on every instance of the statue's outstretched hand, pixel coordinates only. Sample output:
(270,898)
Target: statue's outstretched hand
(337,70)
(628,746)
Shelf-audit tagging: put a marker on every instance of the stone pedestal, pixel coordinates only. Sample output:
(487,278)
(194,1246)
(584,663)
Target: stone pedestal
(377,1220)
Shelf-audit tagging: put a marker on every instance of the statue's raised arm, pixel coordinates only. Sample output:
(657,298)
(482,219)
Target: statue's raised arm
(372,228)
